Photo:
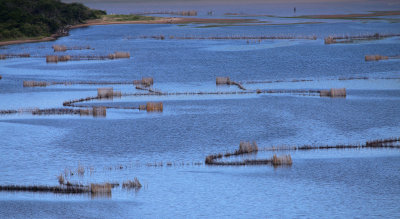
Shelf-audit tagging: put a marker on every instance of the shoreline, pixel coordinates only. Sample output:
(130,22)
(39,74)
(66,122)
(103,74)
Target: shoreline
(187,20)
(45,39)
(163,20)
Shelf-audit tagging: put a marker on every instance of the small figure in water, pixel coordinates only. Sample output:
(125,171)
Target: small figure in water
(294,9)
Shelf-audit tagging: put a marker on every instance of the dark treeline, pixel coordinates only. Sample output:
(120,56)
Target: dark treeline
(40,18)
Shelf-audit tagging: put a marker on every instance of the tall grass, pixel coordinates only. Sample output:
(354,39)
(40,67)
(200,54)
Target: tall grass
(134,184)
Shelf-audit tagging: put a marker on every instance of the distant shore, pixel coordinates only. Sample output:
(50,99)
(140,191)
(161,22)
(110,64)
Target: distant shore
(158,20)
(140,19)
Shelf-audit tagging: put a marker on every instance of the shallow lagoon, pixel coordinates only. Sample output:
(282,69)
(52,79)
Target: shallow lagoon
(333,183)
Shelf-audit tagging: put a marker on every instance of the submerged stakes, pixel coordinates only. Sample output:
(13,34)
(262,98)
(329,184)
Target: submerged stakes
(247,147)
(94,189)
(351,39)
(64,58)
(52,189)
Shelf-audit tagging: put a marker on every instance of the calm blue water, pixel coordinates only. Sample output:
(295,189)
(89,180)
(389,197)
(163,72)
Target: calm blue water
(330,183)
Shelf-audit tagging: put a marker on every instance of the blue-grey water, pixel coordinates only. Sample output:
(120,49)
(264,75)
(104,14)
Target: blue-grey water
(360,183)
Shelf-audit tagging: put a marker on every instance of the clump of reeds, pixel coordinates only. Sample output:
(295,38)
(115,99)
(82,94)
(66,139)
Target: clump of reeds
(59,48)
(210,158)
(35,83)
(146,81)
(100,188)
(100,111)
(375,58)
(282,160)
(329,40)
(333,92)
(132,184)
(64,58)
(227,81)
(119,55)
(85,112)
(105,92)
(2,56)
(61,179)
(222,80)
(117,94)
(52,58)
(1,77)
(247,147)
(154,106)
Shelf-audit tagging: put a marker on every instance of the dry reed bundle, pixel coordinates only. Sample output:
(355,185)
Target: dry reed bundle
(282,160)
(375,58)
(329,40)
(52,58)
(64,58)
(99,111)
(333,92)
(146,81)
(227,81)
(119,55)
(247,147)
(35,83)
(135,184)
(61,179)
(222,80)
(100,188)
(59,48)
(154,106)
(105,92)
(85,112)
(117,94)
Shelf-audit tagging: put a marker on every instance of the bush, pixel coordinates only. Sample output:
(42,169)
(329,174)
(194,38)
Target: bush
(33,18)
